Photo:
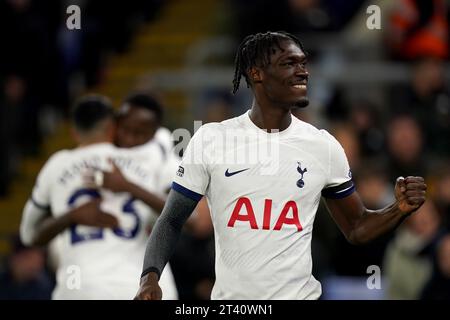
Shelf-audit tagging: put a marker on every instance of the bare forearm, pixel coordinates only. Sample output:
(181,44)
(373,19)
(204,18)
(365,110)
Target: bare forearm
(152,200)
(50,228)
(38,227)
(361,225)
(374,223)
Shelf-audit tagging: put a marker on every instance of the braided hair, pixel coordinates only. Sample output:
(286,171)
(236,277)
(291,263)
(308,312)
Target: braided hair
(256,50)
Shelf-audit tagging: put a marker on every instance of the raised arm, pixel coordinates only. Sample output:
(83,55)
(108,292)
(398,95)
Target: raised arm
(162,241)
(361,225)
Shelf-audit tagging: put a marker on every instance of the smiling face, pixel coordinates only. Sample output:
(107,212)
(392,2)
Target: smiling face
(283,82)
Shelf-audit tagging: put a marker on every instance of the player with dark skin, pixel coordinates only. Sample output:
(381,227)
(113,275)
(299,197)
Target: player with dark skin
(279,85)
(138,119)
(137,122)
(135,125)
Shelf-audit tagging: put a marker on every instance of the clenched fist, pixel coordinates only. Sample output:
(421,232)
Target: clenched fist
(410,193)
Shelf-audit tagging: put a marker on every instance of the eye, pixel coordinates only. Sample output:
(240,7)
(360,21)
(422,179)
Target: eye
(294,63)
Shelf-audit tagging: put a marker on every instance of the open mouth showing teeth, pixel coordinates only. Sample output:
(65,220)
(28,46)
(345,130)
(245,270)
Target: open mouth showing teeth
(299,86)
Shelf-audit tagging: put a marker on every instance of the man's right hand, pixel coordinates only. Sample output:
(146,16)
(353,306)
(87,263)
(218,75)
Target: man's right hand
(149,288)
(89,214)
(113,180)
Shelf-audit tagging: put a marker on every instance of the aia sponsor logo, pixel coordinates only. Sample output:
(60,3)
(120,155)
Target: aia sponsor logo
(243,211)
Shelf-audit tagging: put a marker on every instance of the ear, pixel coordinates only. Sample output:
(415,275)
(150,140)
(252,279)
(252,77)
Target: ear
(255,74)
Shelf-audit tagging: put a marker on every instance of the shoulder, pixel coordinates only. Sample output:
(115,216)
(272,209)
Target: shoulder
(207,130)
(163,132)
(312,132)
(58,157)
(332,142)
(219,127)
(54,164)
(151,150)
(164,138)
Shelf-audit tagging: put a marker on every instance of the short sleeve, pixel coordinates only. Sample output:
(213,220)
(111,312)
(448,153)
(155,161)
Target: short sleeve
(168,171)
(339,182)
(40,195)
(192,176)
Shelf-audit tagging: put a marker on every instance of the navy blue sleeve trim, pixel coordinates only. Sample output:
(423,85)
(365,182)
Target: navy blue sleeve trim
(188,193)
(341,191)
(40,206)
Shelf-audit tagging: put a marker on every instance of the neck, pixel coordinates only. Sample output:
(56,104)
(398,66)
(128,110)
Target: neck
(92,140)
(270,118)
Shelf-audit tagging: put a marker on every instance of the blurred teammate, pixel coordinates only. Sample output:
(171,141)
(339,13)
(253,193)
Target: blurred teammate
(98,252)
(263,210)
(139,129)
(139,119)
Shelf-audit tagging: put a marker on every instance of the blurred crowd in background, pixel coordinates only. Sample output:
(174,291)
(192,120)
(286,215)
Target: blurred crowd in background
(389,126)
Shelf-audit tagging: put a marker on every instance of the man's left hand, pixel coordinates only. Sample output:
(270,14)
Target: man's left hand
(410,193)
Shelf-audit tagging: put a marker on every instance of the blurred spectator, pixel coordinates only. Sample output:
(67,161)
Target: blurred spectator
(418,28)
(427,99)
(217,110)
(19,129)
(54,59)
(367,123)
(25,276)
(23,115)
(293,15)
(407,265)
(337,107)
(405,147)
(28,30)
(373,184)
(322,15)
(442,193)
(438,288)
(193,265)
(215,106)
(376,192)
(346,135)
(42,62)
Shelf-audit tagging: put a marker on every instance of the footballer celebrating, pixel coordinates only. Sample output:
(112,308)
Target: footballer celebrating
(263,211)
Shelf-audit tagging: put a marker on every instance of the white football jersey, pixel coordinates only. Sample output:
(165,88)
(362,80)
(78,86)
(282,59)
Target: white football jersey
(263,190)
(165,138)
(96,263)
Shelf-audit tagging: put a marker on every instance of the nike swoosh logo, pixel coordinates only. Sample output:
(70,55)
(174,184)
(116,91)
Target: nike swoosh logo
(229,174)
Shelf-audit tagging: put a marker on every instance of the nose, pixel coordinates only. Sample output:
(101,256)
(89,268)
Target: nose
(301,71)
(302,75)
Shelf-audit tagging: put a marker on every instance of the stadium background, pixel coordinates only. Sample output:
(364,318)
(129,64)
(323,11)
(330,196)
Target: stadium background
(382,93)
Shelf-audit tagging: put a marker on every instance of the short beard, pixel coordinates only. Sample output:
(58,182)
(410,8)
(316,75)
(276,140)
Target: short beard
(302,103)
